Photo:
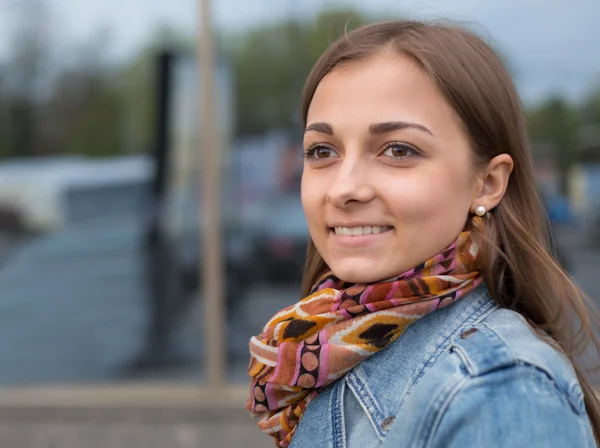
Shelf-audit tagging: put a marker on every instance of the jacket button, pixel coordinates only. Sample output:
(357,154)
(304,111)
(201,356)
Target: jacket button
(470,332)
(386,425)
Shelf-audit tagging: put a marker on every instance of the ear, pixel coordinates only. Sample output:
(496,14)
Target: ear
(493,182)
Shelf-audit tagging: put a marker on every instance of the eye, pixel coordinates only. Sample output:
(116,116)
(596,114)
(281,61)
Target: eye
(399,151)
(319,152)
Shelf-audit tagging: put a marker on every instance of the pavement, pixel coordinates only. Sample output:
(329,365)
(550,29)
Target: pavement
(174,424)
(131,434)
(73,310)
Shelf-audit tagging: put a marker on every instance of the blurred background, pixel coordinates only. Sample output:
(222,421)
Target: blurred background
(101,204)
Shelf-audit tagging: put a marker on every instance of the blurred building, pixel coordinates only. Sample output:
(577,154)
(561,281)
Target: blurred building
(585,179)
(50,193)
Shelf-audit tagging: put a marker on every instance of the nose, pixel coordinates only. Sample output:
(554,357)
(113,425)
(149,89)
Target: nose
(351,184)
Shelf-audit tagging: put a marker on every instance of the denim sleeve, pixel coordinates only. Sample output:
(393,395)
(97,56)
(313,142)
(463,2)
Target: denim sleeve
(515,407)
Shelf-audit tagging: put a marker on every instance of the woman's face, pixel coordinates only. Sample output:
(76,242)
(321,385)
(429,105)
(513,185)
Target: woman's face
(388,178)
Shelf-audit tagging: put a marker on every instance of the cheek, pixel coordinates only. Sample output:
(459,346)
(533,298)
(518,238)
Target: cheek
(312,197)
(436,195)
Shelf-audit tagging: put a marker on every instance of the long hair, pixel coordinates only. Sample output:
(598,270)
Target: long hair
(519,269)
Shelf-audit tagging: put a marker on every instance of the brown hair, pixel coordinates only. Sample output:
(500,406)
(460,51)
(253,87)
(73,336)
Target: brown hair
(518,267)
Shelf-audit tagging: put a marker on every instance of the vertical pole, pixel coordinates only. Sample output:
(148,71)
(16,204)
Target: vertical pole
(162,122)
(210,213)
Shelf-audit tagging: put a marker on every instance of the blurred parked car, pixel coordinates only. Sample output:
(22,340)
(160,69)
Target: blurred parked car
(559,214)
(279,236)
(11,220)
(185,233)
(267,245)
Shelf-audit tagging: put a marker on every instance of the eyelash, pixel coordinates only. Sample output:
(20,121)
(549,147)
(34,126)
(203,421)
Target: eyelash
(309,153)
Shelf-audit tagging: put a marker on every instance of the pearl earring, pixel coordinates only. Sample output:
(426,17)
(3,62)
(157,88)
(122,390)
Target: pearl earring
(480,210)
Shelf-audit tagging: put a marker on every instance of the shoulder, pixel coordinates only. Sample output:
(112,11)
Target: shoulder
(501,384)
(469,371)
(503,352)
(503,341)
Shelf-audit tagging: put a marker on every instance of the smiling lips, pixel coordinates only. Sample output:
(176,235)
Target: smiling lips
(362,230)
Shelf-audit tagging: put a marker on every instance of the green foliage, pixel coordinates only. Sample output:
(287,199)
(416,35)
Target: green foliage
(95,130)
(90,109)
(557,124)
(271,63)
(135,82)
(590,111)
(99,111)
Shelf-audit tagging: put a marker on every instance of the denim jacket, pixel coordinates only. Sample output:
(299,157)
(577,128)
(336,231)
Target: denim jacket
(468,375)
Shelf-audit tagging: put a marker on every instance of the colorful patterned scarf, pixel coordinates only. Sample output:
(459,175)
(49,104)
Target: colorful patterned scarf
(309,345)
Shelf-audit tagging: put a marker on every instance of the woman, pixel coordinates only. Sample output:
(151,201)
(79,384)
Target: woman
(434,314)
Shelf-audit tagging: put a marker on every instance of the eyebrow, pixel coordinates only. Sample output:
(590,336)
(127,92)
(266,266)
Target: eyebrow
(374,129)
(384,128)
(321,128)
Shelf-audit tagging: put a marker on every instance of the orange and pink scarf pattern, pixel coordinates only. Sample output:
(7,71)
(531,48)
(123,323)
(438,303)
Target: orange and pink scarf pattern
(309,345)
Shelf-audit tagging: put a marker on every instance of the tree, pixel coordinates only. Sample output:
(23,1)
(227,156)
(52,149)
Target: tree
(556,123)
(271,63)
(83,113)
(135,82)
(590,110)
(84,116)
(27,73)
(47,110)
(590,130)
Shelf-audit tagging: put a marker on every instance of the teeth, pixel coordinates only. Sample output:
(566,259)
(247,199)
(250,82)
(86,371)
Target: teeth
(357,231)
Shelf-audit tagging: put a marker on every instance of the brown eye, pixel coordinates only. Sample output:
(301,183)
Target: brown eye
(319,153)
(322,153)
(397,151)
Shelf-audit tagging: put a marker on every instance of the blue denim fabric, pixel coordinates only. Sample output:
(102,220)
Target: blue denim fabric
(469,375)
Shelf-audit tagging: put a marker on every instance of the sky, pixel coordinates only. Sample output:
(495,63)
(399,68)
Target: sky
(552,46)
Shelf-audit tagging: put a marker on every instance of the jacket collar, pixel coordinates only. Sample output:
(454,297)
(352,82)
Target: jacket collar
(386,379)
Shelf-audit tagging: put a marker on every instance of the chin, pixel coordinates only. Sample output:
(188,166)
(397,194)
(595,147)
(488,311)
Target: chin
(359,272)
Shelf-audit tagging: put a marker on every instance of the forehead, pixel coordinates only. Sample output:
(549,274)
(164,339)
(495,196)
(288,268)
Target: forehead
(387,86)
